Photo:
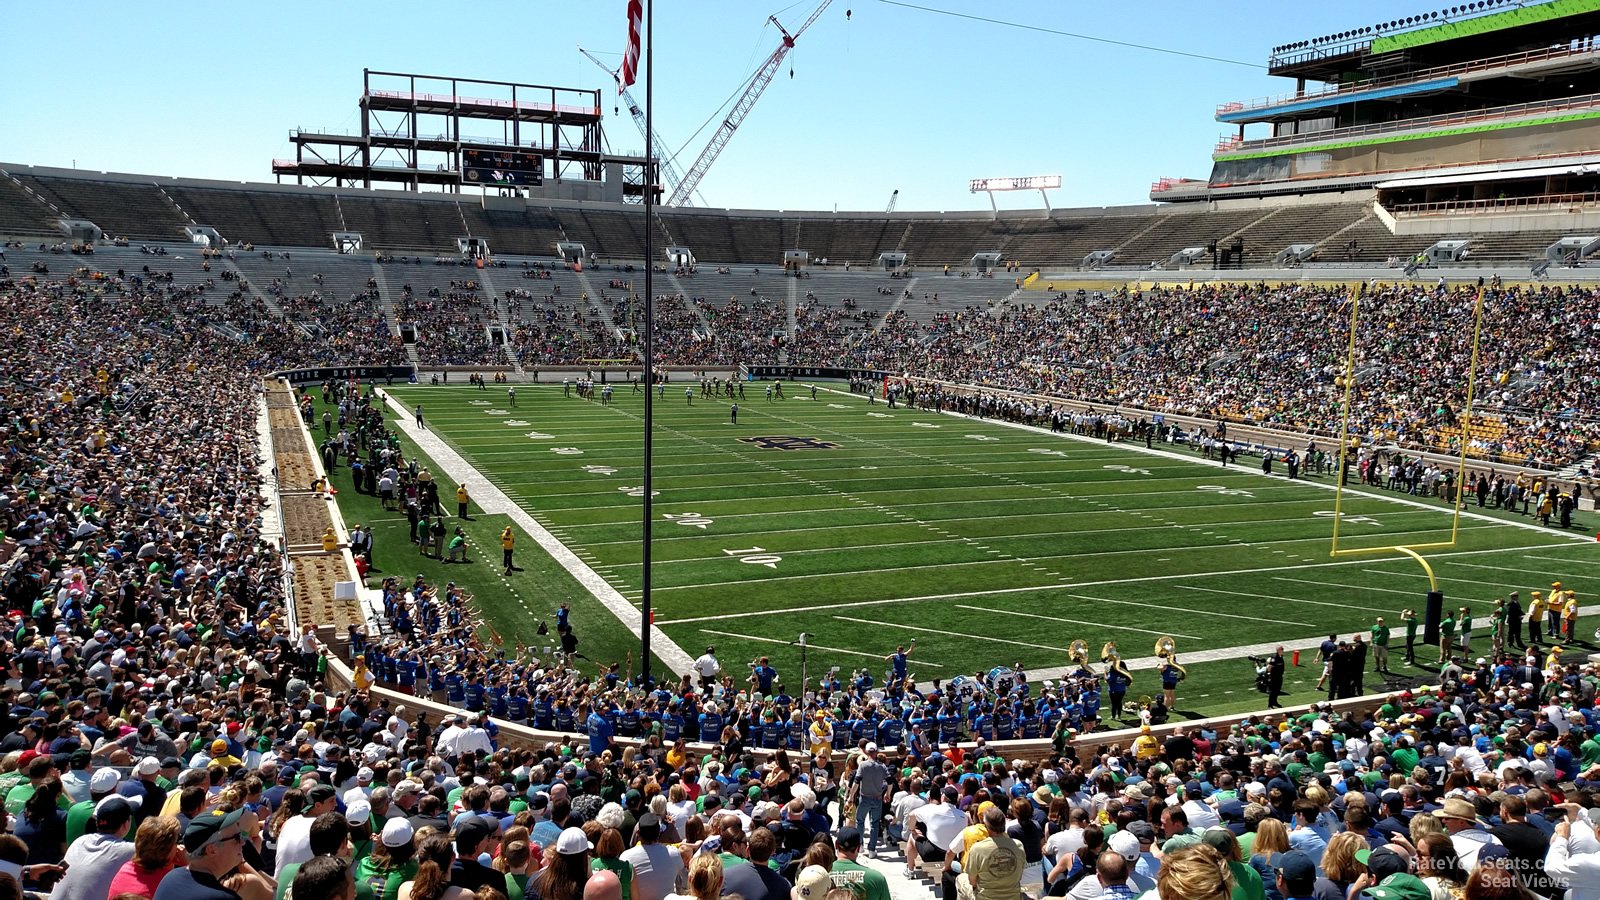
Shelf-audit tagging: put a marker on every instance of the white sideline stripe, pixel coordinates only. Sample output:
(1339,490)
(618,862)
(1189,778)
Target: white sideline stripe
(1348,587)
(1198,576)
(964,635)
(1281,597)
(1181,609)
(1009,612)
(767,640)
(493,500)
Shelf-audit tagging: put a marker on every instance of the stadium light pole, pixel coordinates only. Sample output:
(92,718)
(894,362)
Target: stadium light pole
(649,333)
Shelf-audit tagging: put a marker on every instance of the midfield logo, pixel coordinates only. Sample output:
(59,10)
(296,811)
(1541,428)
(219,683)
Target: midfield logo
(788,442)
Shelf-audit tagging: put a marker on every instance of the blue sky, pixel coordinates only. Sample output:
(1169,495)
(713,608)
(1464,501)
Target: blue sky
(888,98)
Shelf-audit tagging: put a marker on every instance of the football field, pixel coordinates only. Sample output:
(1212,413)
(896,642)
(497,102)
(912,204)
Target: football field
(986,543)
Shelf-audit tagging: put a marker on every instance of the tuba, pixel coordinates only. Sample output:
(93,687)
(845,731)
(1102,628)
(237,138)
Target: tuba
(1113,660)
(1167,649)
(1078,652)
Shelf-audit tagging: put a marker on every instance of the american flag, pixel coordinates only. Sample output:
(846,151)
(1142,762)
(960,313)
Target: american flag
(630,59)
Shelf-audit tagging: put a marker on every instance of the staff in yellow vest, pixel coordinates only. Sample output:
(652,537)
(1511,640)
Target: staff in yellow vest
(508,541)
(461,501)
(330,541)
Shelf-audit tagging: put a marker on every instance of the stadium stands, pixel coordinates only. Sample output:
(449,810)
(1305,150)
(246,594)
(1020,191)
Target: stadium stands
(143,209)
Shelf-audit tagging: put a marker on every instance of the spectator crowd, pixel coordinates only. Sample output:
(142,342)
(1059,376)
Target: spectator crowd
(165,734)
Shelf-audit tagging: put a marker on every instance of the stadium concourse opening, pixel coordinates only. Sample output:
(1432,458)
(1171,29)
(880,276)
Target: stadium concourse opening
(323,548)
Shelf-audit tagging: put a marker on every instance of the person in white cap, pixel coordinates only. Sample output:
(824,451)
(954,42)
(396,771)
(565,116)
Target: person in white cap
(813,883)
(392,861)
(361,792)
(869,788)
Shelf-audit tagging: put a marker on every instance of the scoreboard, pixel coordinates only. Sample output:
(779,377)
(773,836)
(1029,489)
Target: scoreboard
(501,167)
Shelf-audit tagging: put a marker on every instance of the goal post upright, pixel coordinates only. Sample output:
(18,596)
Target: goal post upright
(1434,605)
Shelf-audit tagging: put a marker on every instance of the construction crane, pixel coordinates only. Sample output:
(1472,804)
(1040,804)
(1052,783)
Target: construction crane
(669,172)
(741,108)
(893,199)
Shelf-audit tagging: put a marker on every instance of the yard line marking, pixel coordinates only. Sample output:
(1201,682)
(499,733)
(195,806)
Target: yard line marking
(766,640)
(752,581)
(1190,587)
(1586,562)
(1008,612)
(1169,454)
(1348,587)
(1079,585)
(1539,572)
(964,636)
(1181,609)
(824,606)
(1477,581)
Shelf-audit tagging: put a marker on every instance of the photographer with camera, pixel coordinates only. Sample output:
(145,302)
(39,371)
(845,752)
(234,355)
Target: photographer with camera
(1269,677)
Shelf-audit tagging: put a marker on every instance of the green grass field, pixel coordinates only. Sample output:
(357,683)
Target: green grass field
(987,543)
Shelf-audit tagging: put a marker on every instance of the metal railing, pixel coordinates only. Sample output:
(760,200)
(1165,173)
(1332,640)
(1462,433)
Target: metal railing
(1576,48)
(1497,204)
(1434,167)
(454,100)
(1584,101)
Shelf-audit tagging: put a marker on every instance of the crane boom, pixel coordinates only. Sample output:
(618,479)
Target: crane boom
(741,108)
(669,171)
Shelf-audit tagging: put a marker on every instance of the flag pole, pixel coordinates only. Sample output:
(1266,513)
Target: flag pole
(645,614)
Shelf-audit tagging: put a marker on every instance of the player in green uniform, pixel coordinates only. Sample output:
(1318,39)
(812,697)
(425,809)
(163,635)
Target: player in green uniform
(1380,645)
(1447,636)
(1410,618)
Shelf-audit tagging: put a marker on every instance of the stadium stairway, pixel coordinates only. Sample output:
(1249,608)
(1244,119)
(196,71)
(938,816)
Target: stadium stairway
(121,208)
(385,297)
(22,214)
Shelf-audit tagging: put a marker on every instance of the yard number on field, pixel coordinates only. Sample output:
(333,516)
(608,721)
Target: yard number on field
(1043,452)
(1128,469)
(637,491)
(1353,520)
(756,556)
(566,451)
(692,519)
(1224,491)
(600,470)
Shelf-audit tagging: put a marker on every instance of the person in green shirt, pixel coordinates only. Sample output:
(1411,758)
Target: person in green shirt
(1497,628)
(391,863)
(865,883)
(1410,618)
(608,856)
(1380,646)
(79,815)
(1404,756)
(1447,636)
(1247,883)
